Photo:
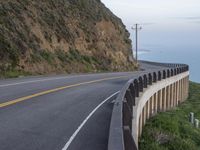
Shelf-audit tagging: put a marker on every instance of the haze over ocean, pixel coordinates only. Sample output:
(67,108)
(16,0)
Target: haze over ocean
(171,29)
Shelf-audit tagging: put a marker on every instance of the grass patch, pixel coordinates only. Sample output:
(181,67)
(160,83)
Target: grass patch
(14,74)
(48,56)
(87,62)
(171,130)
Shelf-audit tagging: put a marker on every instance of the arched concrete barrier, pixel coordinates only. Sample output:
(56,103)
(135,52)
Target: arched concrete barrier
(143,98)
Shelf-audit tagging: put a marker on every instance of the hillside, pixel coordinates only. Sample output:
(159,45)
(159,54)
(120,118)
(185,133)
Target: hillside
(55,36)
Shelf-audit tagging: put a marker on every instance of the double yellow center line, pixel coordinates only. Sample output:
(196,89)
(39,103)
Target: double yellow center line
(11,102)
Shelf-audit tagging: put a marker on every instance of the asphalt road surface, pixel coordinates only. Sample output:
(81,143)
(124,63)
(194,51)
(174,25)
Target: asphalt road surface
(66,112)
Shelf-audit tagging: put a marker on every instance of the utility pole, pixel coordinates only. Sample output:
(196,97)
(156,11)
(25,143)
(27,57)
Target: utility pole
(137,28)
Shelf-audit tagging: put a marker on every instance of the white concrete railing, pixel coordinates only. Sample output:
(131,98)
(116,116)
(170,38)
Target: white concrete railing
(142,98)
(160,96)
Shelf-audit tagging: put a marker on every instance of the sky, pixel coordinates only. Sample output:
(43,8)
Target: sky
(168,20)
(170,29)
(155,11)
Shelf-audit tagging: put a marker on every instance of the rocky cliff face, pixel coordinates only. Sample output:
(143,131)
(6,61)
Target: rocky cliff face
(45,36)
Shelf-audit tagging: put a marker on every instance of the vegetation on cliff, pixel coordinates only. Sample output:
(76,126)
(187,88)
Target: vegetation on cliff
(172,130)
(44,36)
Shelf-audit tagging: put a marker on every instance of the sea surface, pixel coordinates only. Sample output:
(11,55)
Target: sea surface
(187,55)
(173,42)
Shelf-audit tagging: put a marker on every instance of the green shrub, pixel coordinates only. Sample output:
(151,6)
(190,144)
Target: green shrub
(8,52)
(174,126)
(48,56)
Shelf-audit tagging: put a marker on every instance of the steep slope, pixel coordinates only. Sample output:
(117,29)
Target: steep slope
(45,36)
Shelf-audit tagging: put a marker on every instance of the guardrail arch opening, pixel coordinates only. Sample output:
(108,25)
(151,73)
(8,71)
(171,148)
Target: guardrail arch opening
(150,79)
(145,80)
(164,74)
(154,77)
(136,85)
(141,84)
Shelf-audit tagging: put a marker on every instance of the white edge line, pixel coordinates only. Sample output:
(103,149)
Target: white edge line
(33,81)
(84,122)
(42,80)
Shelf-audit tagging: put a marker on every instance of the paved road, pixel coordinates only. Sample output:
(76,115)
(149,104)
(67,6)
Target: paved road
(59,112)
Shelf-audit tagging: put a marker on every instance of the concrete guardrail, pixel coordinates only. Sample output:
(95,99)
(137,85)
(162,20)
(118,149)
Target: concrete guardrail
(143,98)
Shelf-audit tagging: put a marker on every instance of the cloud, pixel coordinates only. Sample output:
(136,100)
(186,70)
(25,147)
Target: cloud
(195,19)
(188,18)
(144,50)
(197,22)
(148,23)
(192,18)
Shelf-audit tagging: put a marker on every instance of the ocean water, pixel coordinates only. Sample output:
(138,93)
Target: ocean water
(173,42)
(187,55)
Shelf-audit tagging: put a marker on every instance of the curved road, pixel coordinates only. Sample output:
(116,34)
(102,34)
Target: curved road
(60,112)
